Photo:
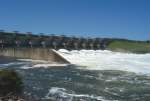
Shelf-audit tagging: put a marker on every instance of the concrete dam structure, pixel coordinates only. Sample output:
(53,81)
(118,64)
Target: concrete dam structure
(16,39)
(39,47)
(33,53)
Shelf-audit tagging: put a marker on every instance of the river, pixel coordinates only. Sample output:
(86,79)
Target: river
(92,76)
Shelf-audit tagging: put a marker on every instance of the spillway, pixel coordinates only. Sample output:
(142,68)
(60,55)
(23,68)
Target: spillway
(108,60)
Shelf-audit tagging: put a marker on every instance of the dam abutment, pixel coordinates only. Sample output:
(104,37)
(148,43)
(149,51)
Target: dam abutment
(33,53)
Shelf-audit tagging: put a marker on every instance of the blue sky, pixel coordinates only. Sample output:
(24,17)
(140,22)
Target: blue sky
(88,18)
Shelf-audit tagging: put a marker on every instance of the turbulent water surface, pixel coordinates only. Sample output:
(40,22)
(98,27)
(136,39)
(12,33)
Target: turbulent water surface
(93,76)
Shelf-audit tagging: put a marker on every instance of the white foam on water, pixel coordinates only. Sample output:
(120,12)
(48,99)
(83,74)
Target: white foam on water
(40,63)
(29,63)
(30,60)
(43,66)
(108,60)
(12,64)
(65,95)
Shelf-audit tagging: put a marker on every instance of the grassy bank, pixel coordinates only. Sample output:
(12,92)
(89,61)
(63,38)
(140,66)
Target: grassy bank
(129,46)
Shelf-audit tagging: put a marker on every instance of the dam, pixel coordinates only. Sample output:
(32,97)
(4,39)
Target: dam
(33,53)
(95,74)
(40,46)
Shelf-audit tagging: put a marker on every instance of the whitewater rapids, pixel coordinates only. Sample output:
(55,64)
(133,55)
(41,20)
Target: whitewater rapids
(108,60)
(94,76)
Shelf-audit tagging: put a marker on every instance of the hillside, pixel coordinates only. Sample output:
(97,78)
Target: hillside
(129,46)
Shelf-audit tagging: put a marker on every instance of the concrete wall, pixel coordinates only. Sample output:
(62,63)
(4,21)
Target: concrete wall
(33,53)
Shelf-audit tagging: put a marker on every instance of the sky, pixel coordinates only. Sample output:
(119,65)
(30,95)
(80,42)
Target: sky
(128,19)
